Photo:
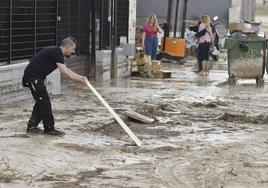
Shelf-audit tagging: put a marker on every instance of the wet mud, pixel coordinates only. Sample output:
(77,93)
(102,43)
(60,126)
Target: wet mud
(206,134)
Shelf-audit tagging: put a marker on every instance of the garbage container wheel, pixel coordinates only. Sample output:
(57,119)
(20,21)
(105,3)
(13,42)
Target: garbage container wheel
(232,81)
(260,81)
(215,58)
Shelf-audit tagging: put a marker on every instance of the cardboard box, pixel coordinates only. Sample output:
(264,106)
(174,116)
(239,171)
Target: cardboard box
(245,27)
(236,26)
(156,66)
(140,61)
(148,64)
(148,68)
(251,28)
(162,74)
(141,68)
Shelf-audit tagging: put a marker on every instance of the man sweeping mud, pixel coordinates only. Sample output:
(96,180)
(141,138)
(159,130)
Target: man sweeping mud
(45,62)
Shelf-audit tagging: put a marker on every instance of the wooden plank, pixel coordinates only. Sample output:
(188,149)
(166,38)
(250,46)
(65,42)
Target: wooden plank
(139,117)
(115,115)
(162,74)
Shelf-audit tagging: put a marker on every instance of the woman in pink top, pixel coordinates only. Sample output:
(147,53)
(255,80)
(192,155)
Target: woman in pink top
(205,42)
(149,39)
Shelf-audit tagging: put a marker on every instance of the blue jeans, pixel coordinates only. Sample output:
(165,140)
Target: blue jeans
(151,44)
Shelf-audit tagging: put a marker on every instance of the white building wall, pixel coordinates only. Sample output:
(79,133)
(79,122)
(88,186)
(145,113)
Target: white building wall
(132,21)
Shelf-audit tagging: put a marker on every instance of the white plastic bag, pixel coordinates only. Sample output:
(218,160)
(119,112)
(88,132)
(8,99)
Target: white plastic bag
(215,51)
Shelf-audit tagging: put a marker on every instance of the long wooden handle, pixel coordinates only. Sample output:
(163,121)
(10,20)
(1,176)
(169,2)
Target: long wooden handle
(115,115)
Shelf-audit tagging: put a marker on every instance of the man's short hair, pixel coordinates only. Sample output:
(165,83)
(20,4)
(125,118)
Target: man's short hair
(68,42)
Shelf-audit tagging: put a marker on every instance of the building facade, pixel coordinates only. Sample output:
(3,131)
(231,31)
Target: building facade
(27,26)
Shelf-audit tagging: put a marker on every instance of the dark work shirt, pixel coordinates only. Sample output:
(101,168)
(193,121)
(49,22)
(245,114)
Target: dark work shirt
(44,63)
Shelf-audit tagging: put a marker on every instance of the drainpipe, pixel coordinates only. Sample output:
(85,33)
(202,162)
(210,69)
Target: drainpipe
(93,40)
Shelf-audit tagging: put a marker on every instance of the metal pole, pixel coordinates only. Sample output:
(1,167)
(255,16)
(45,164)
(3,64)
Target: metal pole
(184,13)
(69,17)
(115,36)
(93,39)
(101,25)
(114,39)
(10,31)
(110,22)
(79,26)
(176,18)
(170,4)
(57,21)
(115,21)
(35,24)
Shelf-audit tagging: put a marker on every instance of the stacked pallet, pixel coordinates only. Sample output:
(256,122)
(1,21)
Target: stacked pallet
(144,66)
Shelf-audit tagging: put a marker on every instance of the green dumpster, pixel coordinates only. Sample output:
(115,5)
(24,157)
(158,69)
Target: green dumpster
(266,56)
(246,58)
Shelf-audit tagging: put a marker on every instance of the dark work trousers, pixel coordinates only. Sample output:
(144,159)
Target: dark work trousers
(42,108)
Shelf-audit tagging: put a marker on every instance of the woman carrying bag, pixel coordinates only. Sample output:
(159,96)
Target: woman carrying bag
(205,41)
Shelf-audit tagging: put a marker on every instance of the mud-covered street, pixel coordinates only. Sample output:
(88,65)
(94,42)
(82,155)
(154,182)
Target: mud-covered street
(206,134)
